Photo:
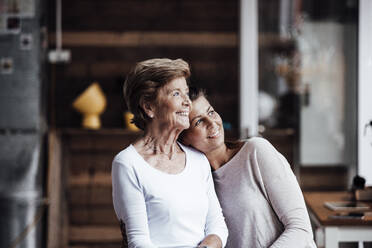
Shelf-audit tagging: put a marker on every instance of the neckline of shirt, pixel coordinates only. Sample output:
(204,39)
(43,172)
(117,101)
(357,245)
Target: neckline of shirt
(220,170)
(147,165)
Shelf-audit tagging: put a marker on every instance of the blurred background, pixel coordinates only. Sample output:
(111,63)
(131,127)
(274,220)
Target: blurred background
(288,70)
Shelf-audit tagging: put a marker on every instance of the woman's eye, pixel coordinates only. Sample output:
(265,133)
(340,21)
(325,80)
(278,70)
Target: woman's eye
(176,93)
(198,122)
(212,112)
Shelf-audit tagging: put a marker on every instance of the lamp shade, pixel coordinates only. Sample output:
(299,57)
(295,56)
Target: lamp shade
(91,103)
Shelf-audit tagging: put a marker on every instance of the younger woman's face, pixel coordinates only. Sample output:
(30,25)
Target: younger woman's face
(206,130)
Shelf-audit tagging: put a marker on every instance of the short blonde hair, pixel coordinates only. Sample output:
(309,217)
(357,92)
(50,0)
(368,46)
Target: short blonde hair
(145,80)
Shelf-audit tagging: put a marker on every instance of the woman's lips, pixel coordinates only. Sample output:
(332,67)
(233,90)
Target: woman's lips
(214,134)
(183,113)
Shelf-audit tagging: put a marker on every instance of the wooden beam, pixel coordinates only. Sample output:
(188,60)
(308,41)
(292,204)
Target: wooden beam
(56,225)
(92,215)
(99,245)
(98,179)
(100,69)
(95,234)
(140,39)
(90,195)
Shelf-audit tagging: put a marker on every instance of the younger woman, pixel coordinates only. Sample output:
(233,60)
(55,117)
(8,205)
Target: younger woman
(259,195)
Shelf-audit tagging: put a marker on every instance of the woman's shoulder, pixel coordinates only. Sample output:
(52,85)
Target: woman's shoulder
(195,158)
(255,146)
(125,156)
(258,144)
(268,157)
(190,151)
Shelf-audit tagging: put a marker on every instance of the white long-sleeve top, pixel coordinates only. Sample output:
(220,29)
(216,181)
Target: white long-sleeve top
(261,200)
(166,210)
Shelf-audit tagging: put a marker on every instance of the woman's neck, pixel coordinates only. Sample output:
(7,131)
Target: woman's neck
(159,140)
(221,155)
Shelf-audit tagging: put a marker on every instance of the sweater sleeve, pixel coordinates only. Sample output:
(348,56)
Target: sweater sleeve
(285,196)
(215,223)
(129,204)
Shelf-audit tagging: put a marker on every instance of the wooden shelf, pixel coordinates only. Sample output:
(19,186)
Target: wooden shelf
(80,186)
(148,38)
(94,234)
(103,131)
(98,179)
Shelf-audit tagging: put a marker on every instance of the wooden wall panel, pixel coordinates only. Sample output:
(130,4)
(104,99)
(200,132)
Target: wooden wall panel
(90,195)
(324,178)
(130,55)
(94,234)
(212,68)
(93,215)
(105,45)
(119,15)
(56,226)
(148,38)
(285,141)
(110,140)
(88,162)
(86,182)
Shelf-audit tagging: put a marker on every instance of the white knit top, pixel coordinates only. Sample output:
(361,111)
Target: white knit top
(166,210)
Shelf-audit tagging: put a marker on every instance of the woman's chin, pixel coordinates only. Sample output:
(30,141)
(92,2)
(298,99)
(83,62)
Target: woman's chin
(185,126)
(181,126)
(217,141)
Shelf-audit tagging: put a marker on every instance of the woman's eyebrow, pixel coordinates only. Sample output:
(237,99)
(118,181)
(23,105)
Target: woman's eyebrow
(172,89)
(198,116)
(179,89)
(209,108)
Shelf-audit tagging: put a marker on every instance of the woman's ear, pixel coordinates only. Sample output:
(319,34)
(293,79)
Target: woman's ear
(148,109)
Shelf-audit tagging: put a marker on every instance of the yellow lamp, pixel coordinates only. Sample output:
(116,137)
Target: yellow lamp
(91,103)
(128,116)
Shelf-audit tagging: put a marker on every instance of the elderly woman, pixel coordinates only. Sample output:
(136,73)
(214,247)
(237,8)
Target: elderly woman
(163,191)
(260,197)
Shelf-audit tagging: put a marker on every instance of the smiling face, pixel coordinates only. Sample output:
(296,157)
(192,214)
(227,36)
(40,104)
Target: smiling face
(172,106)
(206,130)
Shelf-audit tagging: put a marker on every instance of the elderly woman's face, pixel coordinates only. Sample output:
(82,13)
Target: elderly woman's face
(173,105)
(206,130)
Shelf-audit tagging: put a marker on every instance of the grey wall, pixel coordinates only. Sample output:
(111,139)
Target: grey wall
(22,131)
(20,92)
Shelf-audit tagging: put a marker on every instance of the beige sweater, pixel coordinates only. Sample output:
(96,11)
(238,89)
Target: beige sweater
(261,199)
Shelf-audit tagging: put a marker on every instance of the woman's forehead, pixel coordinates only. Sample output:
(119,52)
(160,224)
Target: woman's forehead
(177,83)
(200,106)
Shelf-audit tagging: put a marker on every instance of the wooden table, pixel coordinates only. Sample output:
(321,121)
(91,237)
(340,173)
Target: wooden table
(328,231)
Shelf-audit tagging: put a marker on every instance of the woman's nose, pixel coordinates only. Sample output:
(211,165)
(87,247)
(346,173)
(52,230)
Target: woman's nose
(186,100)
(211,123)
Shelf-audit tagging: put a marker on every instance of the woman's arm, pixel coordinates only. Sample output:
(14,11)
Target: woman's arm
(215,230)
(285,197)
(129,205)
